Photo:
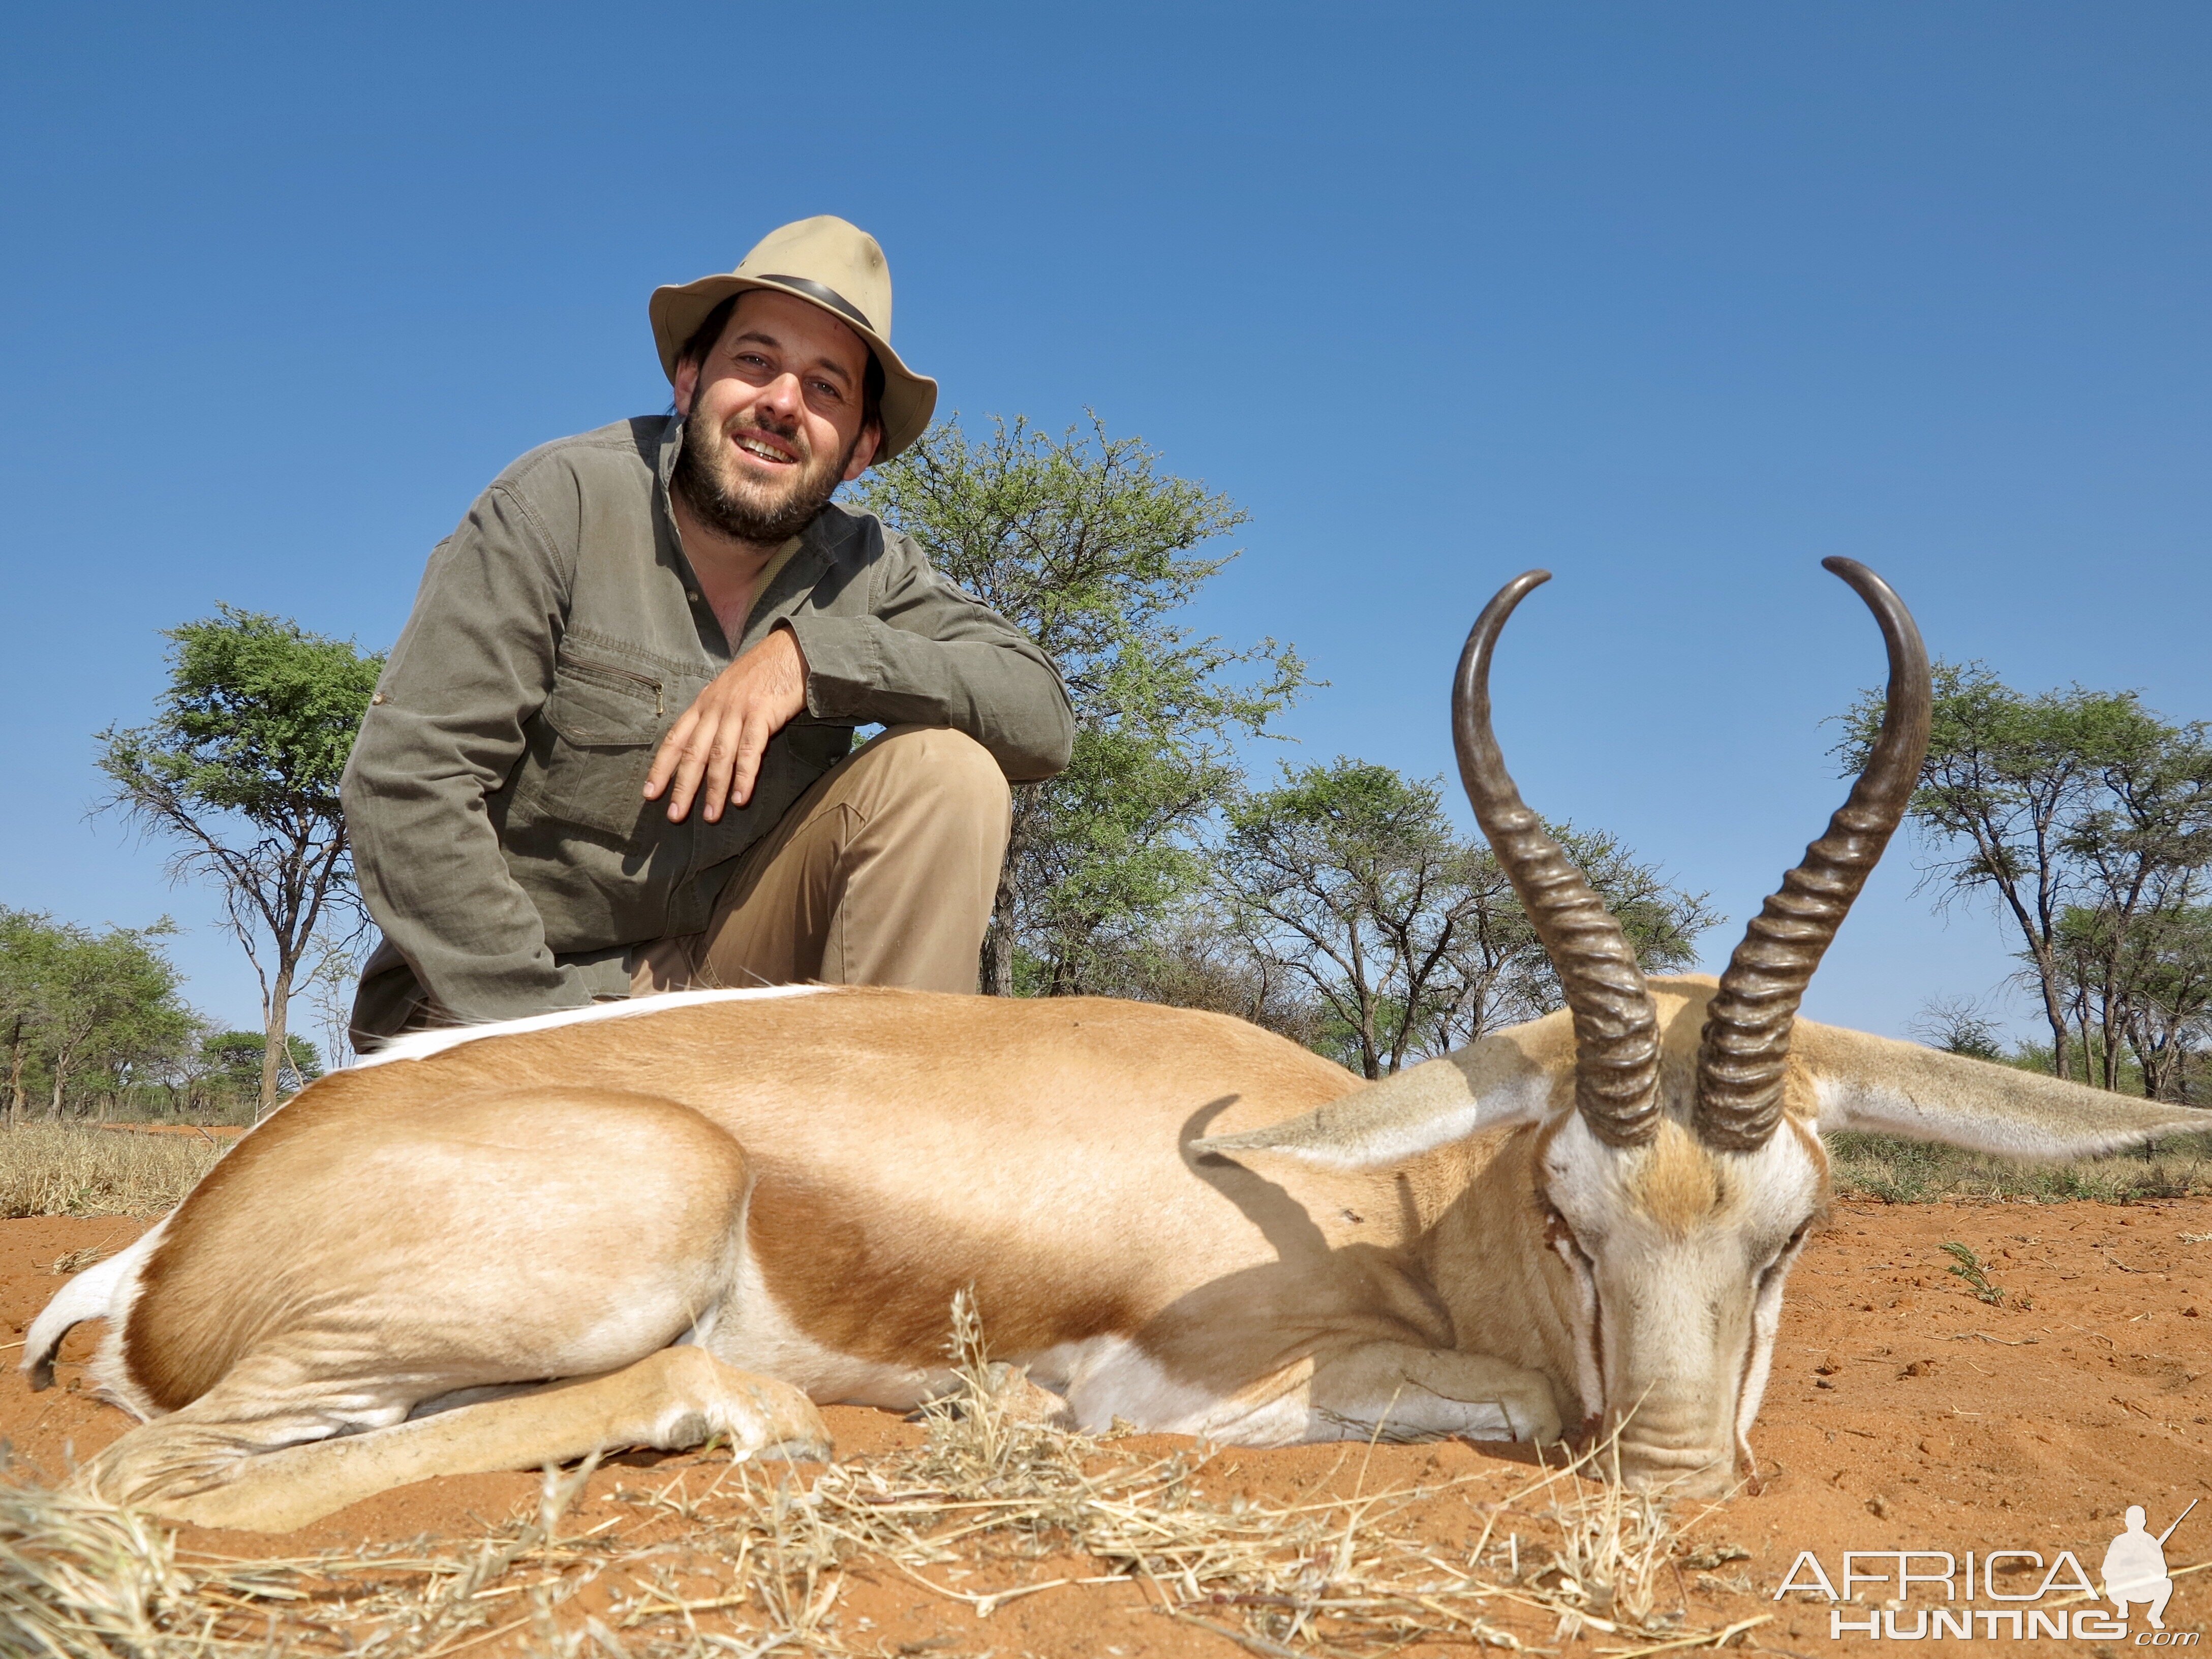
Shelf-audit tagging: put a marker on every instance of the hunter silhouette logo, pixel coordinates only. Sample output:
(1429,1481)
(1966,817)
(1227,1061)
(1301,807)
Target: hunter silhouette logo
(2134,1567)
(1998,1594)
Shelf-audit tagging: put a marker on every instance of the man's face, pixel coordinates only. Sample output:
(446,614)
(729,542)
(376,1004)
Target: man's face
(773,418)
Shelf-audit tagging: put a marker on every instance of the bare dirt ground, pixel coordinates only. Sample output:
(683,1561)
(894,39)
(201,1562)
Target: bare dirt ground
(1905,1413)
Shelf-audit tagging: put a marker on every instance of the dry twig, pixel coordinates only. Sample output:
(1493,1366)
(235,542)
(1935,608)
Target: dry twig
(988,1492)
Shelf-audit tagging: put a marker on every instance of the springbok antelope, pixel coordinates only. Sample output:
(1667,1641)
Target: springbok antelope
(698,1214)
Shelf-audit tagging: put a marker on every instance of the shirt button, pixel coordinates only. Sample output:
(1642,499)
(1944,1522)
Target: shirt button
(693,595)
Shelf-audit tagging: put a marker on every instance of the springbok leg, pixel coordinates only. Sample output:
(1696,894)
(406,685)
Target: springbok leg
(1412,1393)
(671,1399)
(297,1315)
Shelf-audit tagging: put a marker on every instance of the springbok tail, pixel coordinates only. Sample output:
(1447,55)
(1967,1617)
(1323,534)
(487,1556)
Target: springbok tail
(101,1290)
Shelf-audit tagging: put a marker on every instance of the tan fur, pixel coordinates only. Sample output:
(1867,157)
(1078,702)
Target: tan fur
(1675,1183)
(409,1165)
(1199,1224)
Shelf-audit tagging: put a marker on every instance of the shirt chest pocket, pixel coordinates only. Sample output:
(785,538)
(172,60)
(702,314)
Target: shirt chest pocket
(596,735)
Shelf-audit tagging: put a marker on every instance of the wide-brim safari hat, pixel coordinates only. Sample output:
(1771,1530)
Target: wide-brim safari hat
(827,263)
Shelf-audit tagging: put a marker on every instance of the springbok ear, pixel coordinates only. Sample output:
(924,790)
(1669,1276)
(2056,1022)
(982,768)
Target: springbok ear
(1490,1084)
(1893,1088)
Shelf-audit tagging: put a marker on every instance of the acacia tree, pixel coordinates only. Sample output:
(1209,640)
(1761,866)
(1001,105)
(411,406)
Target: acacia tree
(334,959)
(146,1027)
(2139,988)
(1198,959)
(1960,1025)
(1086,544)
(29,959)
(227,1066)
(2074,800)
(81,1004)
(2170,1015)
(2141,845)
(1350,878)
(241,766)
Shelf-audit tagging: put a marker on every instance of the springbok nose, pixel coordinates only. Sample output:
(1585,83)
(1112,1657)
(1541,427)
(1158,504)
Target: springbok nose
(1680,1471)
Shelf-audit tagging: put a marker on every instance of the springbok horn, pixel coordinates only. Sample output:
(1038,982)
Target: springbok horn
(1745,1047)
(1616,1026)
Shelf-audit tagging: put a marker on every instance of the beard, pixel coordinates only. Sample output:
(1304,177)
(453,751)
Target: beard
(742,508)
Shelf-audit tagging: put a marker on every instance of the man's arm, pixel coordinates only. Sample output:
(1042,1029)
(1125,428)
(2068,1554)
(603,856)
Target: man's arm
(445,730)
(925,655)
(930,655)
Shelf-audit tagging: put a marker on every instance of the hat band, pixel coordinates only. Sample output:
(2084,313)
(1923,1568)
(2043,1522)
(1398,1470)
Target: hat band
(822,292)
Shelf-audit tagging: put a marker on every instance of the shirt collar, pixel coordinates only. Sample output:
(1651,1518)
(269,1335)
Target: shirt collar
(671,446)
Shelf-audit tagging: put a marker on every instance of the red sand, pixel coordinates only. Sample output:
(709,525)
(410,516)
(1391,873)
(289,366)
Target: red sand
(1903,1414)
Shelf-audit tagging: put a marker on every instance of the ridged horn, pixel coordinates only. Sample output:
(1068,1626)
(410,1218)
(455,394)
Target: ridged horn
(1745,1047)
(1616,1026)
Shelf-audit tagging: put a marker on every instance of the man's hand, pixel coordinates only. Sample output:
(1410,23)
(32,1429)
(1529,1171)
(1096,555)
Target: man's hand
(721,737)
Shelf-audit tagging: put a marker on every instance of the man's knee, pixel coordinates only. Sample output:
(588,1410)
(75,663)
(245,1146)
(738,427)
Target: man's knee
(947,769)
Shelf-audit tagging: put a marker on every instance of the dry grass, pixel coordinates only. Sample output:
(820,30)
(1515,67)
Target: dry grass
(83,1580)
(70,1169)
(985,1498)
(1911,1172)
(74,1169)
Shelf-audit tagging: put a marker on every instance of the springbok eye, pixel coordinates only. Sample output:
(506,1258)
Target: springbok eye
(1789,1249)
(1561,1236)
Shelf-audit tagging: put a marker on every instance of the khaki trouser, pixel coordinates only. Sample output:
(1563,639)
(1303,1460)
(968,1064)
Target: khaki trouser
(883,873)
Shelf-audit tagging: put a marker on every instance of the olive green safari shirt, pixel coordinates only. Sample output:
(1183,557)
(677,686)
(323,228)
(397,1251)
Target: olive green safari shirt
(495,794)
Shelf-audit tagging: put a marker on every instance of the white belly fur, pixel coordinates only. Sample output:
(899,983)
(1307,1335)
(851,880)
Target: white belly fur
(754,1333)
(1102,1378)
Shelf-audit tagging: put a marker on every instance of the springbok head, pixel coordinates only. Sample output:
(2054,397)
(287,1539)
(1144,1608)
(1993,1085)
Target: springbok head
(1676,1161)
(1679,1194)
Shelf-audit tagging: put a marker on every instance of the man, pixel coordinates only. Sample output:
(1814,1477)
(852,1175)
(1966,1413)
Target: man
(609,756)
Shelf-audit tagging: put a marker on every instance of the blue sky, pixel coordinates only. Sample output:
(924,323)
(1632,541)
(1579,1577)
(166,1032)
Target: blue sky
(1673,300)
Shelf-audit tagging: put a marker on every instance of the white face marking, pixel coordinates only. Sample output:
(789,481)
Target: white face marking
(1765,1320)
(1678,1322)
(421,1045)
